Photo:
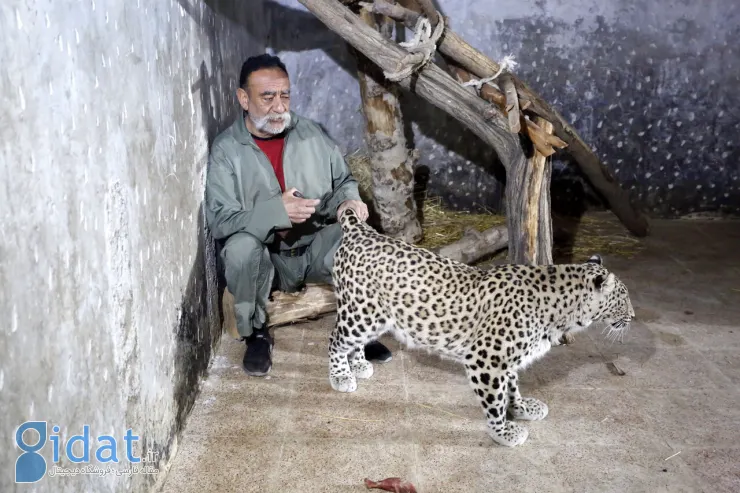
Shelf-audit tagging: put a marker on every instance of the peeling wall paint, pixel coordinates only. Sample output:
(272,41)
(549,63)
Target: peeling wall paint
(106,277)
(649,85)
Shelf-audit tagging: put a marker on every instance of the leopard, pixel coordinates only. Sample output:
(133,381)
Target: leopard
(493,321)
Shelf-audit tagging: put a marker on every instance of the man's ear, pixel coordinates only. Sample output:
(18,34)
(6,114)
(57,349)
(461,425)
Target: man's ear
(243,98)
(605,284)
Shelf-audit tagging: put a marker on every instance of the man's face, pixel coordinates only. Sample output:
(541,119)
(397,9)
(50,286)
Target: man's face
(267,101)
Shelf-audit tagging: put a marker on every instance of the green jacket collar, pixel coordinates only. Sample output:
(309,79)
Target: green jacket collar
(241,132)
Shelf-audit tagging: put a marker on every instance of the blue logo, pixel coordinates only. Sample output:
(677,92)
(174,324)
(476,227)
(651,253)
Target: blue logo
(31,466)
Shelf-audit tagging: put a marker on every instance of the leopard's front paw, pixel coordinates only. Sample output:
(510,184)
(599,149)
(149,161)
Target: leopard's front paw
(530,409)
(512,435)
(343,383)
(362,369)
(567,338)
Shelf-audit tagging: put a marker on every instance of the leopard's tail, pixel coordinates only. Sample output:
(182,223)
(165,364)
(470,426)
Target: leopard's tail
(349,219)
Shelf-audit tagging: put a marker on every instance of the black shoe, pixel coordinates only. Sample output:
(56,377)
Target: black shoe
(375,351)
(258,355)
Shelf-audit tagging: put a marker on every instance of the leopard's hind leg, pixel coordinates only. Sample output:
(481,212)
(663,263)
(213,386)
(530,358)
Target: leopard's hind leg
(490,385)
(525,408)
(346,348)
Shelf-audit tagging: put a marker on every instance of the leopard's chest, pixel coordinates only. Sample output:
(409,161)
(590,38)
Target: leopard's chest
(537,349)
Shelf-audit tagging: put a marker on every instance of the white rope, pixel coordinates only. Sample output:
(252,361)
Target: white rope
(508,63)
(420,48)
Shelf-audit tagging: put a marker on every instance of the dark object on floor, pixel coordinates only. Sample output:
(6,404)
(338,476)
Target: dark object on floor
(397,485)
(614,369)
(375,351)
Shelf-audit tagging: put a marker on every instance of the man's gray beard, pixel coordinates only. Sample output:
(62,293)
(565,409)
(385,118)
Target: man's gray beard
(264,125)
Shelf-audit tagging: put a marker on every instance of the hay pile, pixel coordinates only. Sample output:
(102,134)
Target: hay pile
(443,226)
(600,233)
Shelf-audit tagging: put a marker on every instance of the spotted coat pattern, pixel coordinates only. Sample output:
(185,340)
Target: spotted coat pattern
(494,322)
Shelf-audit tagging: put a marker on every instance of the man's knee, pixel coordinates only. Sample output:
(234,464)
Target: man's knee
(243,250)
(333,234)
(323,252)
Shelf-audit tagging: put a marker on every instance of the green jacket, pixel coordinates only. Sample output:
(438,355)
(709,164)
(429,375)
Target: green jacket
(243,194)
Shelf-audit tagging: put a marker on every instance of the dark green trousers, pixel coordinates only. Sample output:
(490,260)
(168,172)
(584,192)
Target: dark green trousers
(252,271)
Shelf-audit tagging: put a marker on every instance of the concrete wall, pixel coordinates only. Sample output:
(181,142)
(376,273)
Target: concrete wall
(649,84)
(107,292)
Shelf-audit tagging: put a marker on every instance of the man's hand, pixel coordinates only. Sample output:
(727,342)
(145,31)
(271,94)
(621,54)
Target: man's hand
(298,209)
(357,205)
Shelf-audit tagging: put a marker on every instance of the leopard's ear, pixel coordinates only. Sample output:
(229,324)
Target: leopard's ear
(605,283)
(595,259)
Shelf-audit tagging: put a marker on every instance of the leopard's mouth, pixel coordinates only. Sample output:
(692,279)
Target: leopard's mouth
(617,329)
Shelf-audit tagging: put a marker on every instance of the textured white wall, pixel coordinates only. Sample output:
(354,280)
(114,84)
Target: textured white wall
(105,291)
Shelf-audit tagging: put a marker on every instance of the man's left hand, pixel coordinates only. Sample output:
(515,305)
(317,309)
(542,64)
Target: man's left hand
(357,205)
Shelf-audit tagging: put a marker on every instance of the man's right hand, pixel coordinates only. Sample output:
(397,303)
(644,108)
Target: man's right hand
(298,209)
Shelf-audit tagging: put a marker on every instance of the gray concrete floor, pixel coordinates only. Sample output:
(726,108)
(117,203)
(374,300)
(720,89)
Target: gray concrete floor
(670,424)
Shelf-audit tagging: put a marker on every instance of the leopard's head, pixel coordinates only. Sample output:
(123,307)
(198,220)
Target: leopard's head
(609,299)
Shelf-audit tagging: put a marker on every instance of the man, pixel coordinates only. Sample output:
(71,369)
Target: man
(275,186)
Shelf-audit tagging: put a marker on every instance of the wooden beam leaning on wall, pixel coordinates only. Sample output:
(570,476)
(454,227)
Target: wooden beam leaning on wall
(468,63)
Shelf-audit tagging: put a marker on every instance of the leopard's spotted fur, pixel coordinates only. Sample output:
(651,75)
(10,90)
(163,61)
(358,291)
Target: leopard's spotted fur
(494,322)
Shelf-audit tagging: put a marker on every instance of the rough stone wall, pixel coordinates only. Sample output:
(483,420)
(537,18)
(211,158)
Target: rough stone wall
(106,280)
(649,84)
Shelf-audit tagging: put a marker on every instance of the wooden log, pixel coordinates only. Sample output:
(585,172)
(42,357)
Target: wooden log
(392,164)
(475,245)
(285,308)
(539,219)
(512,102)
(440,89)
(541,140)
(489,93)
(544,250)
(429,11)
(453,47)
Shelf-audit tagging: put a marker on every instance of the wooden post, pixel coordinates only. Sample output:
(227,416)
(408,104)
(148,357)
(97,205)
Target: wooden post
(528,211)
(392,163)
(539,220)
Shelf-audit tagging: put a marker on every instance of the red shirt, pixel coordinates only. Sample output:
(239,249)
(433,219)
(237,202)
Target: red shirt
(273,149)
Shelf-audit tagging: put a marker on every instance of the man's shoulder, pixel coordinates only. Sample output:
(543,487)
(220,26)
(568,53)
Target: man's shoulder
(307,126)
(226,139)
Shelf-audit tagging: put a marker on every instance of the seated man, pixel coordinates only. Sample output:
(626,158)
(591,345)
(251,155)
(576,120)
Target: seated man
(275,186)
